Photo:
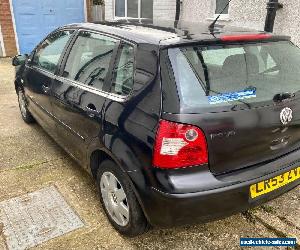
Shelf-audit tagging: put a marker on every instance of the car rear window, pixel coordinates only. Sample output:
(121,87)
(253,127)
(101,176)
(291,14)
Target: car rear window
(226,75)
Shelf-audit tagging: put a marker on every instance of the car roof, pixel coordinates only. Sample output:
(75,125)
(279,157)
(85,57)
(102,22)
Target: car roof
(162,32)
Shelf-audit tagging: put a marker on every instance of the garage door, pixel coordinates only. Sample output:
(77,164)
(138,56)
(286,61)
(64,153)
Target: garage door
(36,18)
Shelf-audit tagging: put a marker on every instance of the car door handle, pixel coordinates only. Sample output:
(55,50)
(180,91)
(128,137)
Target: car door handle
(46,88)
(91,110)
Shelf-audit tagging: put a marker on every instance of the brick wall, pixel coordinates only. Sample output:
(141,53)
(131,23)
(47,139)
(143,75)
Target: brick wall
(7,28)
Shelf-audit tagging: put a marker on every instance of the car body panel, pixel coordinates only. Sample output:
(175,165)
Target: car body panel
(38,85)
(125,128)
(169,209)
(245,138)
(166,33)
(76,127)
(130,126)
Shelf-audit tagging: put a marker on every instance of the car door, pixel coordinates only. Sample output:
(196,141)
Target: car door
(79,93)
(39,74)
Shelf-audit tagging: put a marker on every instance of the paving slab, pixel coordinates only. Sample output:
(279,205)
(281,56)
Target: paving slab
(36,217)
(30,161)
(20,144)
(286,207)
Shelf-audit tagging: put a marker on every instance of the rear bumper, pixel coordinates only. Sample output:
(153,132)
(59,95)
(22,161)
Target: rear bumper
(166,210)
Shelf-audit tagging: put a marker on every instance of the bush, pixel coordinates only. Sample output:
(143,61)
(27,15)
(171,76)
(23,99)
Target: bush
(98,2)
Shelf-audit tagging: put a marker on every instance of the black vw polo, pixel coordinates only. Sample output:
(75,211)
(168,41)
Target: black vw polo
(177,123)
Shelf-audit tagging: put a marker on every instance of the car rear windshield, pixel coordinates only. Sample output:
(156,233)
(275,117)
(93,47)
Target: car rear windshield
(226,75)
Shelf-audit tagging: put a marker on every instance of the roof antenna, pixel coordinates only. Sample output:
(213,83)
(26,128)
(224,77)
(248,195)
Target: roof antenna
(212,25)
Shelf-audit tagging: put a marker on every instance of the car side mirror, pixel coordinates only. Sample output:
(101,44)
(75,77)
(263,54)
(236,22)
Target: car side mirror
(19,60)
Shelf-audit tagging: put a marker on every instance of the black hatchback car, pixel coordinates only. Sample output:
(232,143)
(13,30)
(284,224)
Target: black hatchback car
(178,123)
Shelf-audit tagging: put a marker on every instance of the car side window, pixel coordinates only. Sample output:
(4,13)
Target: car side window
(90,58)
(122,80)
(49,51)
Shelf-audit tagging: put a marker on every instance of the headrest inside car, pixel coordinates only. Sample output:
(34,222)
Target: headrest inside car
(240,65)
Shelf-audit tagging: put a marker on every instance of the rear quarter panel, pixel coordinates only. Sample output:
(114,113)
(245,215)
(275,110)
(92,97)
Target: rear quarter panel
(129,126)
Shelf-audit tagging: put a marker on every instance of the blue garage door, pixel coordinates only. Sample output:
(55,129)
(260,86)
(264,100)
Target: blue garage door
(36,18)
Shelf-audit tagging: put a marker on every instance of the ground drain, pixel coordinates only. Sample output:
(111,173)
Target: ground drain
(36,217)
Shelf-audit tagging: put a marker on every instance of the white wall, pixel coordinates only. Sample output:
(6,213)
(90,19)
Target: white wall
(109,9)
(164,9)
(2,51)
(288,20)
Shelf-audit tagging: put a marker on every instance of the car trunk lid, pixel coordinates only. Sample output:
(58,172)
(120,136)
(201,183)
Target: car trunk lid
(243,96)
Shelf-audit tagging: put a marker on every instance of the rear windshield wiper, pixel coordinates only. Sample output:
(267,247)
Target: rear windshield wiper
(283,96)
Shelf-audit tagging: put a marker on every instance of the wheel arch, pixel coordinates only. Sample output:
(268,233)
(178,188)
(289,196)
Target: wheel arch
(99,155)
(18,84)
(96,157)
(18,81)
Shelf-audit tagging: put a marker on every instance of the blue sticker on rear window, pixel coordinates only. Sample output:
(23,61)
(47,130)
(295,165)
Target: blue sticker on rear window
(232,96)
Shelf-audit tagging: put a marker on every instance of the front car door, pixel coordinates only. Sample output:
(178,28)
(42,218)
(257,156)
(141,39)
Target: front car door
(79,93)
(39,75)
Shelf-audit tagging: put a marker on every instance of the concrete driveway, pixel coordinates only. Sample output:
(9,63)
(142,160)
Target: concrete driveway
(30,160)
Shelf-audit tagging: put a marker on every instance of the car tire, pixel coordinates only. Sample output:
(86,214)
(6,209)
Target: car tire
(119,200)
(26,115)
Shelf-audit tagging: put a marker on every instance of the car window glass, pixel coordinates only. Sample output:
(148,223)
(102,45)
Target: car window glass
(89,59)
(220,5)
(252,73)
(133,8)
(49,51)
(267,60)
(218,57)
(122,82)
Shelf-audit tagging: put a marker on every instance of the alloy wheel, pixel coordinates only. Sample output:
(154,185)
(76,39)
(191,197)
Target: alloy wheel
(114,198)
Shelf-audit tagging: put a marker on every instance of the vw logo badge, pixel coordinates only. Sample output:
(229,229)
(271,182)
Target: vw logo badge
(286,116)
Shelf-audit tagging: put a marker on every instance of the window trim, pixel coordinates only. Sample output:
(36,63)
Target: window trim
(126,11)
(96,91)
(108,81)
(114,66)
(114,53)
(223,17)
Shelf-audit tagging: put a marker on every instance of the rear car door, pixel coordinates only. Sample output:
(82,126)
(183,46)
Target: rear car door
(39,74)
(79,93)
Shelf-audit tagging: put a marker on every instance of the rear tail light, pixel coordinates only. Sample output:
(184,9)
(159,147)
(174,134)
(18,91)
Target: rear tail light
(179,145)
(244,37)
